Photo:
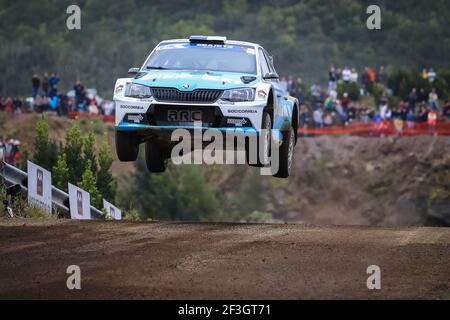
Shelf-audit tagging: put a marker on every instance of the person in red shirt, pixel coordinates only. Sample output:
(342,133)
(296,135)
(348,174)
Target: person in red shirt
(432,121)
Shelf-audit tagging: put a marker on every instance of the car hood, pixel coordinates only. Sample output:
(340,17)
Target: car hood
(192,80)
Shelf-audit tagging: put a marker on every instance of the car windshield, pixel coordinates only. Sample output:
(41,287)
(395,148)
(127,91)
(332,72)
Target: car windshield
(203,56)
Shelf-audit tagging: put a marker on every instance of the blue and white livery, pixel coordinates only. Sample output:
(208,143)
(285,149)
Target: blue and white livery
(224,85)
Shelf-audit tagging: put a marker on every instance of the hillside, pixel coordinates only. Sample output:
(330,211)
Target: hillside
(337,180)
(304,36)
(22,127)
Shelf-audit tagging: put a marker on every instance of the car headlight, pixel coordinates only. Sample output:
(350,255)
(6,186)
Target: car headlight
(239,95)
(137,91)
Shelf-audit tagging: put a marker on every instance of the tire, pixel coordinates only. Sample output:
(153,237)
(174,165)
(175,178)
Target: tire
(155,157)
(286,154)
(264,141)
(127,146)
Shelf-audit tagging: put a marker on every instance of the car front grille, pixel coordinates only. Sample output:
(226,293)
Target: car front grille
(175,95)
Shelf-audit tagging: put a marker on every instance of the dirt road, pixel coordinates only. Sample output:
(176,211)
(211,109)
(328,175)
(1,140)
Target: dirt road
(220,261)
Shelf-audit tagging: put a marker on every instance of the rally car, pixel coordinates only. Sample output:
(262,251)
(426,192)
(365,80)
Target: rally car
(224,85)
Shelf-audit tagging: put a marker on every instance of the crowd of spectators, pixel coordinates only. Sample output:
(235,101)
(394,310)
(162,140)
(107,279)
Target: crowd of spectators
(320,106)
(46,97)
(10,150)
(327,108)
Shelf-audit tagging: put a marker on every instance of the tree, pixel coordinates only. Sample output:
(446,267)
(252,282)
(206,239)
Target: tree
(61,173)
(89,151)
(88,184)
(46,151)
(180,193)
(74,152)
(105,181)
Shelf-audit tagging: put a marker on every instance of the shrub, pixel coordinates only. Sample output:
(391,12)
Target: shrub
(352,88)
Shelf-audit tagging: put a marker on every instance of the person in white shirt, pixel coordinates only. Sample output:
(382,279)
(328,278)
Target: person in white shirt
(433,100)
(353,75)
(318,118)
(346,74)
(385,112)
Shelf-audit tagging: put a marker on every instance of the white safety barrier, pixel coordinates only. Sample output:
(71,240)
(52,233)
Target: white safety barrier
(60,200)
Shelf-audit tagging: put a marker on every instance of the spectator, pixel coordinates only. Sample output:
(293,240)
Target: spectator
(2,104)
(9,106)
(365,79)
(345,100)
(300,95)
(381,75)
(410,119)
(403,110)
(328,119)
(93,109)
(54,80)
(422,96)
(352,113)
(290,85)
(340,111)
(423,113)
(79,89)
(412,100)
(304,115)
(346,74)
(424,74)
(432,76)
(63,107)
(318,118)
(17,103)
(385,112)
(432,121)
(338,74)
(45,85)
(446,109)
(332,78)
(36,84)
(433,100)
(315,95)
(53,92)
(54,102)
(45,104)
(353,75)
(372,75)
(329,104)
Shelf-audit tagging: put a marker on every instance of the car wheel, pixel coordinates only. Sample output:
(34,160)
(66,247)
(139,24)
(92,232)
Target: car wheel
(155,157)
(127,146)
(286,154)
(263,145)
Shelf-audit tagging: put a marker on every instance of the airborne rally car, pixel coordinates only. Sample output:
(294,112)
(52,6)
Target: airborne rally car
(224,85)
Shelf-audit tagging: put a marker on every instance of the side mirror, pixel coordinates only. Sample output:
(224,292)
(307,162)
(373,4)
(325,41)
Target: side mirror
(134,71)
(270,76)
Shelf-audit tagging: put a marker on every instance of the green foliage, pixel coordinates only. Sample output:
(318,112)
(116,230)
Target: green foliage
(74,152)
(88,184)
(378,91)
(131,215)
(402,80)
(352,88)
(304,36)
(46,150)
(106,183)
(61,173)
(180,193)
(89,151)
(24,158)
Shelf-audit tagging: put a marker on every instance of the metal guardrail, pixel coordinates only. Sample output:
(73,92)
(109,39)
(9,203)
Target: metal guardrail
(15,177)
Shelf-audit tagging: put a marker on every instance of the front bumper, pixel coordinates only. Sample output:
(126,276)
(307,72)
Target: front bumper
(151,115)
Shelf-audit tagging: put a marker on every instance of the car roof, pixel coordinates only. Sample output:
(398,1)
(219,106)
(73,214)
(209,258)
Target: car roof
(244,43)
